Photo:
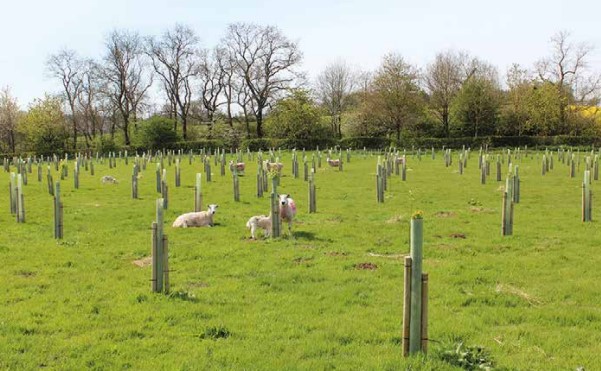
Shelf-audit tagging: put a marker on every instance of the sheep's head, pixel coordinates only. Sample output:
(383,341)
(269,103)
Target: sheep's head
(284,199)
(213,209)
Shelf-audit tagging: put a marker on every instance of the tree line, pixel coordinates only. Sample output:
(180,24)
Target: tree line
(251,85)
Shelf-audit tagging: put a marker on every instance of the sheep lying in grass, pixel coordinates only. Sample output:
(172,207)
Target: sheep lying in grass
(239,166)
(199,219)
(287,209)
(109,179)
(273,166)
(333,163)
(259,221)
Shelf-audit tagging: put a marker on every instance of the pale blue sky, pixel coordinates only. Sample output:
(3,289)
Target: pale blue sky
(361,32)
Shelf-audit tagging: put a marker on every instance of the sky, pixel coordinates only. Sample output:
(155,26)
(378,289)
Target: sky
(358,32)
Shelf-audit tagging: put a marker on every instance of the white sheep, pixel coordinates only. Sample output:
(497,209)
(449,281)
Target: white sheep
(259,221)
(108,179)
(333,163)
(239,166)
(287,209)
(275,166)
(196,219)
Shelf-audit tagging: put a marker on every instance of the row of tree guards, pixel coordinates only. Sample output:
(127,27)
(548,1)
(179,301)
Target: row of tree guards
(392,160)
(384,171)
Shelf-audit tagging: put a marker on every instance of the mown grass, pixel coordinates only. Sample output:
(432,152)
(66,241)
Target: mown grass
(301,303)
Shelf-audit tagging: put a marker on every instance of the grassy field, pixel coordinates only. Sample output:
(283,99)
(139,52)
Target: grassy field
(530,299)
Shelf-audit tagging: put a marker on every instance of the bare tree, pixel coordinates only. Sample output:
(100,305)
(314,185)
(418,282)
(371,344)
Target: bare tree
(443,80)
(90,102)
(67,67)
(174,58)
(228,81)
(567,69)
(9,113)
(245,101)
(265,59)
(211,78)
(334,86)
(126,81)
(446,75)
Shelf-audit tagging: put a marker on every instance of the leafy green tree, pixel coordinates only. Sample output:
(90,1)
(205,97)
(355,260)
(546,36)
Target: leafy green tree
(395,100)
(44,126)
(157,132)
(297,118)
(514,114)
(476,107)
(543,117)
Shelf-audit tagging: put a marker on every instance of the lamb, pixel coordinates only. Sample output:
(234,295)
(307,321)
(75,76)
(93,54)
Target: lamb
(333,163)
(196,219)
(108,179)
(287,209)
(275,166)
(259,221)
(239,166)
(399,160)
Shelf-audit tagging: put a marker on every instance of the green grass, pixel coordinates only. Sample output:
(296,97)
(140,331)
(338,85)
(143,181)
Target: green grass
(531,299)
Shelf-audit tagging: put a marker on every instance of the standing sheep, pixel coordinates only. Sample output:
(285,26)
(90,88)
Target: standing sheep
(287,210)
(199,219)
(239,166)
(273,166)
(259,221)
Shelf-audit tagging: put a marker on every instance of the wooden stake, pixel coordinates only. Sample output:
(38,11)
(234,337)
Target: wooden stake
(406,305)
(166,264)
(424,314)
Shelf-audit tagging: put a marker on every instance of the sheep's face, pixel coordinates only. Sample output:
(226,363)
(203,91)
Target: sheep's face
(284,199)
(212,209)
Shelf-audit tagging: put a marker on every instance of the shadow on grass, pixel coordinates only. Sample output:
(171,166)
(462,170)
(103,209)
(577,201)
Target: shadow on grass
(304,235)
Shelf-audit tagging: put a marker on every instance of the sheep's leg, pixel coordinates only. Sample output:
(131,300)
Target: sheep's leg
(252,231)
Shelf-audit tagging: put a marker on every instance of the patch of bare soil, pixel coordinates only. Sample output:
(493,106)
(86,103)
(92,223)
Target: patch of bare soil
(302,260)
(395,219)
(444,214)
(366,266)
(480,209)
(457,235)
(390,256)
(337,253)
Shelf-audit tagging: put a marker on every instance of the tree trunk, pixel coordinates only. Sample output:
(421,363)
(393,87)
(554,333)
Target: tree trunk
(247,122)
(260,122)
(445,121)
(230,121)
(185,127)
(126,133)
(74,134)
(12,141)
